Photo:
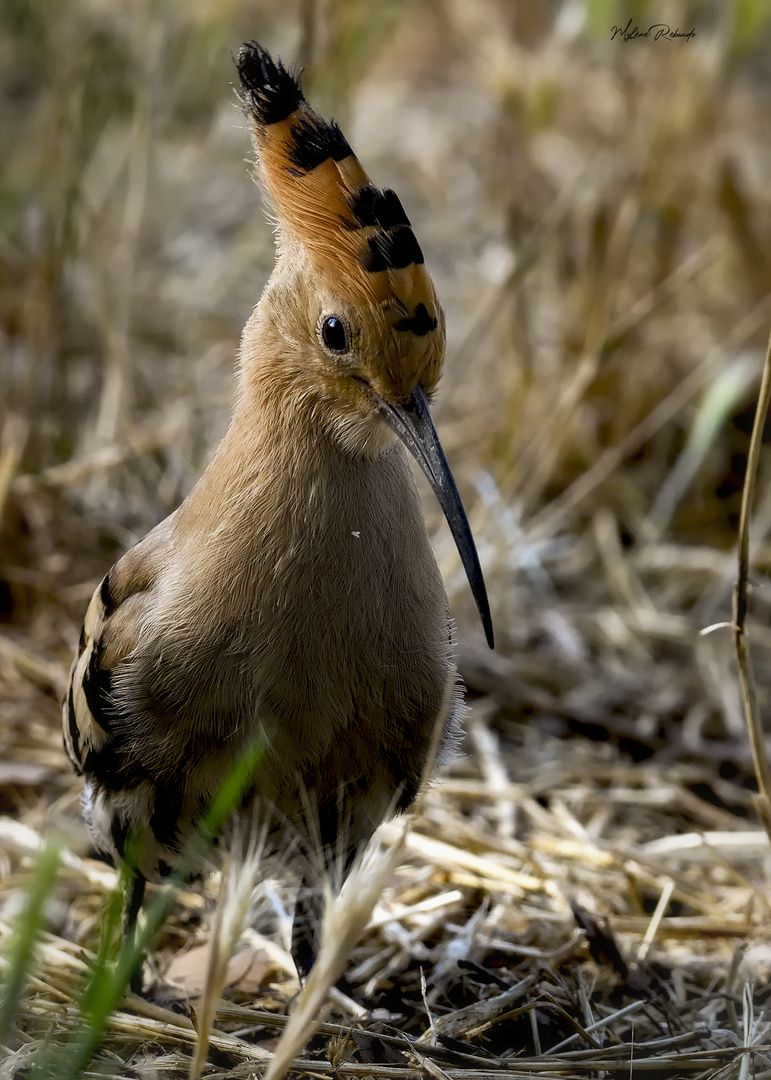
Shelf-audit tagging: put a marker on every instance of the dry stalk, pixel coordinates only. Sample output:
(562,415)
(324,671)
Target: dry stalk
(236,887)
(741,589)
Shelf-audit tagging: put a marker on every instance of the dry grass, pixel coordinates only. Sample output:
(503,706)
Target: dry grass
(586,891)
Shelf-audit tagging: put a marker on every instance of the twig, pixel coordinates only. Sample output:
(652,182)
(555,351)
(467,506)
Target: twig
(743,659)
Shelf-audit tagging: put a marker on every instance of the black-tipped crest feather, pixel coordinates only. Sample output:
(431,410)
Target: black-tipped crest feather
(392,250)
(315,141)
(421,322)
(376,206)
(269,92)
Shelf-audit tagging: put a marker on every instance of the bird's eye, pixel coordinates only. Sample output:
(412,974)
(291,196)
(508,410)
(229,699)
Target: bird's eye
(334,334)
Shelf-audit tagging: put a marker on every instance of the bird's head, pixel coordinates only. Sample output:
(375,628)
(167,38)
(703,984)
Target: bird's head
(353,310)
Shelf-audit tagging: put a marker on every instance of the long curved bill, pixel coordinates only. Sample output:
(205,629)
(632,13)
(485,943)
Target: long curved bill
(413,424)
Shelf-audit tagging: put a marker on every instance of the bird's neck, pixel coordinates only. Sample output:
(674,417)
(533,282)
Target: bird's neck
(279,465)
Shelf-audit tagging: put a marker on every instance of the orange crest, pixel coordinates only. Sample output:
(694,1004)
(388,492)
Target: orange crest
(357,236)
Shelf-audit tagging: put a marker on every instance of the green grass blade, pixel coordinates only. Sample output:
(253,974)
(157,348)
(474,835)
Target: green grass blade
(26,933)
(109,979)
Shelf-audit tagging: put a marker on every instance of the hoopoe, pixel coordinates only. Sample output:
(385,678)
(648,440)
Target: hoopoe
(293,597)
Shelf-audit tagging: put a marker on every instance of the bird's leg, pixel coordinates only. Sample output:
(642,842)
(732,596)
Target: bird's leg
(306,926)
(309,904)
(135,892)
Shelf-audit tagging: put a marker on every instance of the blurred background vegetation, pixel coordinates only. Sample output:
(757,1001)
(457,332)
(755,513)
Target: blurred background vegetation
(596,213)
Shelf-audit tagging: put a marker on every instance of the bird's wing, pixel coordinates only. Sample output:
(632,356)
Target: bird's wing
(110,633)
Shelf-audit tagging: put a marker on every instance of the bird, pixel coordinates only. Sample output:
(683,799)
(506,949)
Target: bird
(293,597)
